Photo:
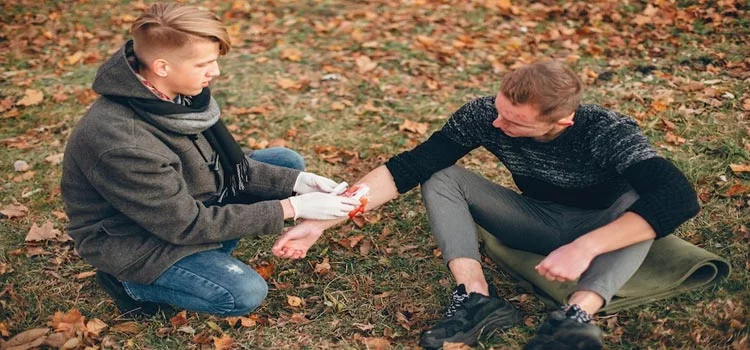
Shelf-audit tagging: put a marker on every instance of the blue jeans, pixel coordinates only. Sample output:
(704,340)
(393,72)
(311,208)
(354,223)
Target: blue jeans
(213,281)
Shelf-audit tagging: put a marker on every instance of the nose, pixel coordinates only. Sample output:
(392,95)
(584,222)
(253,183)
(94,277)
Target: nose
(214,71)
(496,123)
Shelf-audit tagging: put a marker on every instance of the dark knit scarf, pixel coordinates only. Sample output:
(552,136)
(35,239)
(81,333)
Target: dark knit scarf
(233,161)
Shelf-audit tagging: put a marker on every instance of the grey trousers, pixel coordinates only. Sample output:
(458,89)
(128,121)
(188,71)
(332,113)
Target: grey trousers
(456,199)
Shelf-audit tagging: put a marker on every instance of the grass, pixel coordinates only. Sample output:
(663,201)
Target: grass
(387,291)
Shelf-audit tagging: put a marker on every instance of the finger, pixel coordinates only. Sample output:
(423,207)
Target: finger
(325,184)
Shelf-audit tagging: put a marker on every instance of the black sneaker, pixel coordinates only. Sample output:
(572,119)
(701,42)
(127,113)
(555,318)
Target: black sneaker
(473,316)
(127,305)
(559,331)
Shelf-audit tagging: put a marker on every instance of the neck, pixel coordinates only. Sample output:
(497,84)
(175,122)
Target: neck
(552,134)
(157,82)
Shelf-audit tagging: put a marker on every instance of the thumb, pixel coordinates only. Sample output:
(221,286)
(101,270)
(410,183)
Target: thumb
(280,243)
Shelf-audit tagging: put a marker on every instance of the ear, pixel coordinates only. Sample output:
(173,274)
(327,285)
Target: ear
(567,121)
(161,67)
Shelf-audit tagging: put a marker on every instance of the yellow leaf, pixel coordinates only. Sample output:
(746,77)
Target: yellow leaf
(30,98)
(293,300)
(74,58)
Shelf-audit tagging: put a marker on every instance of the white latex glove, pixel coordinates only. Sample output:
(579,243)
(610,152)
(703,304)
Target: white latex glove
(322,206)
(309,182)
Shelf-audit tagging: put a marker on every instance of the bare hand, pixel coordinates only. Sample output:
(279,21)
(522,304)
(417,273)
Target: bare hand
(566,263)
(294,243)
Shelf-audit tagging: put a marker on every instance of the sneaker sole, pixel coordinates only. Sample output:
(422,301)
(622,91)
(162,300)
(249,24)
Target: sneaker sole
(494,321)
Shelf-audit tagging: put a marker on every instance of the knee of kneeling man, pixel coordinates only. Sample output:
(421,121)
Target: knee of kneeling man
(250,297)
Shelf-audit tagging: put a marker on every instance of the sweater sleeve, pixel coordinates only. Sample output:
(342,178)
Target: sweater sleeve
(666,197)
(154,195)
(417,165)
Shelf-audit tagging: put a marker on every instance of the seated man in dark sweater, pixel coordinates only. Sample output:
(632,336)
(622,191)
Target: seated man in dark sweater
(594,196)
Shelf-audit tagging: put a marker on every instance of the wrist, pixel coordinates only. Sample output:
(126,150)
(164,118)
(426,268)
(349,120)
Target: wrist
(287,209)
(587,246)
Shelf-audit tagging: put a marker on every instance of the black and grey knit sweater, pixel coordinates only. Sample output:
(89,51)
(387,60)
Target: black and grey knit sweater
(589,165)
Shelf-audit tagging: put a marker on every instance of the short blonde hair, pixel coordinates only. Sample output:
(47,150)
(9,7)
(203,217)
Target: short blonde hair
(173,26)
(550,86)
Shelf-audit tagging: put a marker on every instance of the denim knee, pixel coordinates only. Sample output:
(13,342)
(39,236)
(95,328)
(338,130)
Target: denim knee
(246,295)
(279,156)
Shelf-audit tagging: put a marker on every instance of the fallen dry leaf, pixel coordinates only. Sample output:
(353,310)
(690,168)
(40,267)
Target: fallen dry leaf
(674,139)
(746,104)
(323,268)
(68,323)
(95,326)
(30,98)
(248,322)
(455,346)
(31,338)
(337,106)
(377,343)
(265,271)
(21,166)
(130,327)
(14,211)
(293,300)
(43,233)
(54,159)
(737,189)
(86,274)
(365,64)
(223,343)
(60,215)
(419,128)
(292,54)
(179,319)
(736,168)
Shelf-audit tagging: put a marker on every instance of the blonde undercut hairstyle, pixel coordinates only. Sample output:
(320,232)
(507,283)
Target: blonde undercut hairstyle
(550,86)
(173,26)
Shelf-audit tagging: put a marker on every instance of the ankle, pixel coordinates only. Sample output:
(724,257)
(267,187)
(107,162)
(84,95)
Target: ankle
(477,287)
(575,312)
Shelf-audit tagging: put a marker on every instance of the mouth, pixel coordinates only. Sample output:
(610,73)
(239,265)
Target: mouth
(206,83)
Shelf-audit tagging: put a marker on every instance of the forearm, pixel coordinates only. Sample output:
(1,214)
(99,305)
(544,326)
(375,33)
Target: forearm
(382,189)
(627,230)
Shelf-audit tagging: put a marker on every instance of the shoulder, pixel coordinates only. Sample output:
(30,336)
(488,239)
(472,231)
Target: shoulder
(478,110)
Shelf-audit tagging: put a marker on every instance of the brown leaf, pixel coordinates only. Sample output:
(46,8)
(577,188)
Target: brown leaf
(337,106)
(74,58)
(86,274)
(31,336)
(130,327)
(365,64)
(365,247)
(60,215)
(736,168)
(223,343)
(455,346)
(43,233)
(179,319)
(674,139)
(265,271)
(232,320)
(416,127)
(54,159)
(248,322)
(350,242)
(4,268)
(377,343)
(55,340)
(323,268)
(293,301)
(21,166)
(14,211)
(746,104)
(737,189)
(30,98)
(291,54)
(95,326)
(69,323)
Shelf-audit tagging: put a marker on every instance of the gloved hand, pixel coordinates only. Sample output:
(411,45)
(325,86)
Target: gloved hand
(322,206)
(309,182)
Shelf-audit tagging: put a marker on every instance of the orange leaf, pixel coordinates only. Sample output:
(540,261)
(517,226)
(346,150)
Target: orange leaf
(46,232)
(377,343)
(68,323)
(179,319)
(337,106)
(248,322)
(131,327)
(292,54)
(737,189)
(223,343)
(30,98)
(265,271)
(738,168)
(86,274)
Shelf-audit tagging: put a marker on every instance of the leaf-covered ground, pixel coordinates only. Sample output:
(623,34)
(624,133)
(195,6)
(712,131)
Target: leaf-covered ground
(348,84)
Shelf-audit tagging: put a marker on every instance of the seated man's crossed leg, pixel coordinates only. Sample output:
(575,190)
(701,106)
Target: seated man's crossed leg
(456,199)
